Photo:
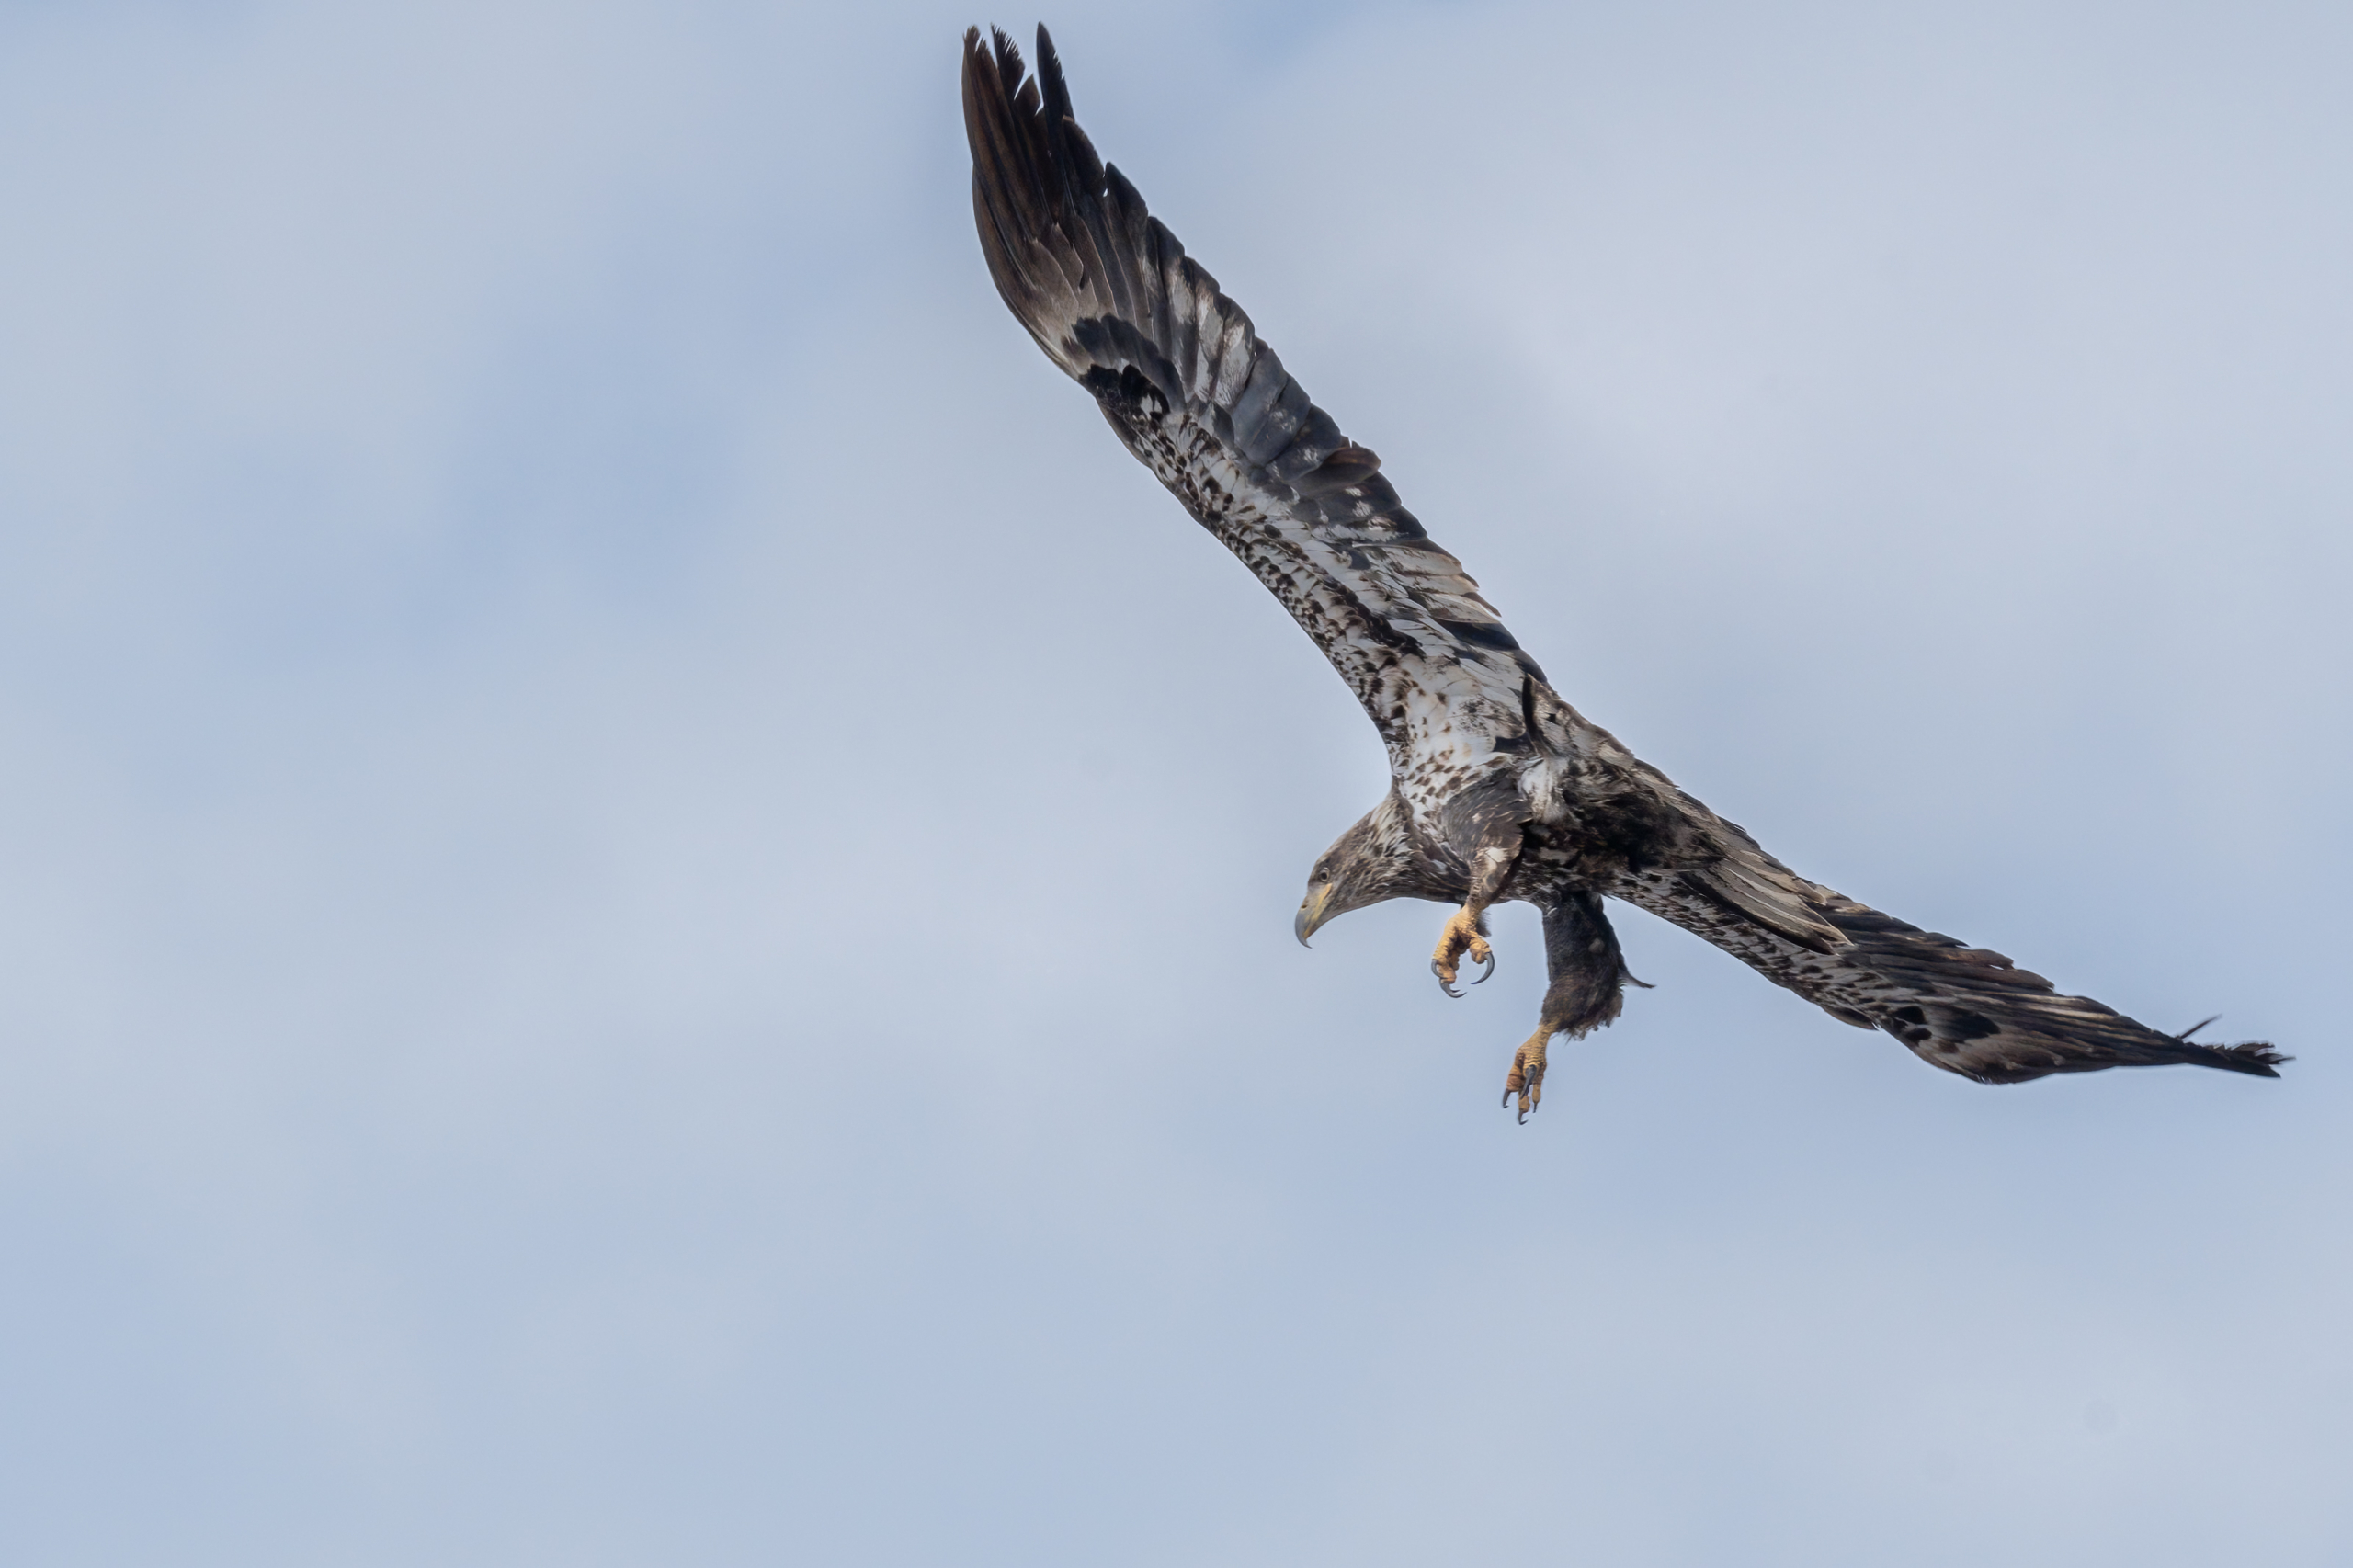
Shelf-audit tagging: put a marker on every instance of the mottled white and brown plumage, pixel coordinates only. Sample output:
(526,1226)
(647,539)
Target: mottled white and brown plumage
(1499,789)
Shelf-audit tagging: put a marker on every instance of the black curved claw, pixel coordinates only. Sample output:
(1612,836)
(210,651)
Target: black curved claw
(1521,1118)
(1443,983)
(1488,973)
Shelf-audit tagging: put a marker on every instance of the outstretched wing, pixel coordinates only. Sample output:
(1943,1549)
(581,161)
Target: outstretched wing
(1113,299)
(1631,834)
(1961,1008)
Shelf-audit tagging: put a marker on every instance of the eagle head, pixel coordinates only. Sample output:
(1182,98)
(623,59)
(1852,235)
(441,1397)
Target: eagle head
(1372,861)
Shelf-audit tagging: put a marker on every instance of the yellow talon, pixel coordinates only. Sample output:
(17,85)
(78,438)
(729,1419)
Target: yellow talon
(1527,1079)
(1460,937)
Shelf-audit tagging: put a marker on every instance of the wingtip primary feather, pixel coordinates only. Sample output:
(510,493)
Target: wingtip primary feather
(1000,56)
(2255,1057)
(1049,66)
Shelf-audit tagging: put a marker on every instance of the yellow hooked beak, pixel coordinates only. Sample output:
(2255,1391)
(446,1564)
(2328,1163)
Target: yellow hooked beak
(1311,912)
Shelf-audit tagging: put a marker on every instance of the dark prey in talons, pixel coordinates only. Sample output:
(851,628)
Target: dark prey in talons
(1499,789)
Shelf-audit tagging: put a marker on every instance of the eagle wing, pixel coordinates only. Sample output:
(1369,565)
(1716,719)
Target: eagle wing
(1965,1009)
(1202,401)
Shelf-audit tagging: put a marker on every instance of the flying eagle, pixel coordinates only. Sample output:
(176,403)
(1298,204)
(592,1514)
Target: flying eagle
(1498,788)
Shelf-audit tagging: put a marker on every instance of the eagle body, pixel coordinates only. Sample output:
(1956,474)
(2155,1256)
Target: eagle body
(1499,788)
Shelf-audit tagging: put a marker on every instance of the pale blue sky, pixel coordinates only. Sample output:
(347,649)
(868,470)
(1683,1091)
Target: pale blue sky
(647,884)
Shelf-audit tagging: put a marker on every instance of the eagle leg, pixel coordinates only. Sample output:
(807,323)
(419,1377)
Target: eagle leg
(1465,933)
(1466,929)
(1527,1078)
(1588,974)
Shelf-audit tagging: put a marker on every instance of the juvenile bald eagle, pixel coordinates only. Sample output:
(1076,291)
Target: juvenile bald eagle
(1498,790)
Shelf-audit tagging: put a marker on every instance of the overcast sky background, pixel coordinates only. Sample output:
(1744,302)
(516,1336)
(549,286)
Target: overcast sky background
(645,884)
